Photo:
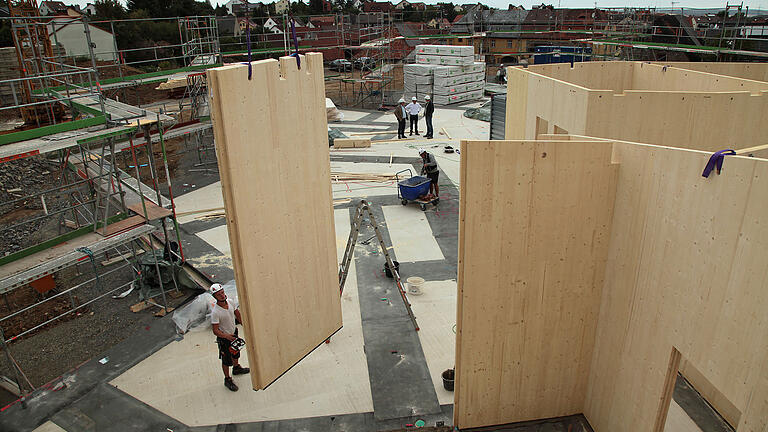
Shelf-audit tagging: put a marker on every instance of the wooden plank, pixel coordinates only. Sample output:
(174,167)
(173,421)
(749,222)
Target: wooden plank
(124,224)
(153,210)
(351,143)
(687,272)
(282,231)
(533,240)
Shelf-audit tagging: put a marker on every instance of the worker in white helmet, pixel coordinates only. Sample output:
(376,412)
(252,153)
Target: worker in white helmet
(429,110)
(401,114)
(413,110)
(224,318)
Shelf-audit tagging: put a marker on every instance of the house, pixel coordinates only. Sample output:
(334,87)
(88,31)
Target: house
(478,20)
(378,7)
(74,11)
(282,6)
(89,9)
(272,25)
(404,3)
(69,34)
(358,4)
(458,8)
(52,8)
(242,7)
(440,23)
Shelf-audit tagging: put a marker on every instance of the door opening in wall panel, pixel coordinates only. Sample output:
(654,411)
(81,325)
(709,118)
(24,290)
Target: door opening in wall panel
(688,408)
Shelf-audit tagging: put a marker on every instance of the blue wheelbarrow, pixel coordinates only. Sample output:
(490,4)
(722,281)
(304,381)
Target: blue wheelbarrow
(412,188)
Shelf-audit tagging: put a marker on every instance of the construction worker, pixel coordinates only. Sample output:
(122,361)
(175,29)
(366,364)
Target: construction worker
(429,109)
(401,113)
(413,109)
(431,170)
(224,318)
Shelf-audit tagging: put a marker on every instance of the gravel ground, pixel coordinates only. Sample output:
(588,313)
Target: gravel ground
(49,353)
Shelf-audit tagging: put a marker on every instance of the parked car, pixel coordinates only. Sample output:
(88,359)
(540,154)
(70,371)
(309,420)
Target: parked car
(365,63)
(341,65)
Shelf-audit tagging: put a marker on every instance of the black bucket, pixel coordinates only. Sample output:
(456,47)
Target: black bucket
(448,376)
(388,271)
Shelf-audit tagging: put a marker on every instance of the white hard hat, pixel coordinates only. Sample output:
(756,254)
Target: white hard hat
(216,288)
(427,97)
(413,98)
(401,100)
(422,151)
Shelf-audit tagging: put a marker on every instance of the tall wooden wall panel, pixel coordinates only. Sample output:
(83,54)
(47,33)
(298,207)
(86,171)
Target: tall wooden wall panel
(702,120)
(661,78)
(694,120)
(557,102)
(534,225)
(271,142)
(750,71)
(686,271)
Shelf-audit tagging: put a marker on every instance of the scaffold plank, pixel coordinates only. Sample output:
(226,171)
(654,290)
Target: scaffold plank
(32,267)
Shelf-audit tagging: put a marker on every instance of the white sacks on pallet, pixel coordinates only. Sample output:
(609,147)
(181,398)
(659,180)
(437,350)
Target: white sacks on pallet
(456,98)
(446,50)
(447,83)
(458,79)
(444,60)
(455,71)
(459,88)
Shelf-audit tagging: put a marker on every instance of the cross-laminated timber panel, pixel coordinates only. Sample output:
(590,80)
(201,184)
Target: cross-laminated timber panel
(271,143)
(686,271)
(648,104)
(684,280)
(533,239)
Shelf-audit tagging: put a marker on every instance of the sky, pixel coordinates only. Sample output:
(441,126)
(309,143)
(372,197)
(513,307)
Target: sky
(500,4)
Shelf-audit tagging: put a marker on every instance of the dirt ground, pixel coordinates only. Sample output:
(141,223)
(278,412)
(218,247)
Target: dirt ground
(65,344)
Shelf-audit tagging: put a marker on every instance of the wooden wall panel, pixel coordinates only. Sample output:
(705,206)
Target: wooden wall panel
(533,232)
(686,271)
(660,78)
(277,193)
(750,71)
(530,95)
(702,120)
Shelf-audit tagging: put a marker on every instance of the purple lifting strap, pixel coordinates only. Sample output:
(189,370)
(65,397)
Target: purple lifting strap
(295,42)
(716,161)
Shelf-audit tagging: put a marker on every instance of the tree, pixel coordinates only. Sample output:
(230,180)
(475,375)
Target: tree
(221,11)
(109,9)
(316,6)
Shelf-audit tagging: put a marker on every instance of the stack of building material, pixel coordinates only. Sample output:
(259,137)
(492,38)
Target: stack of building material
(417,80)
(445,55)
(458,84)
(446,84)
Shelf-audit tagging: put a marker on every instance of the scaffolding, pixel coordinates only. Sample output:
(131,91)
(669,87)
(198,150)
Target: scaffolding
(107,206)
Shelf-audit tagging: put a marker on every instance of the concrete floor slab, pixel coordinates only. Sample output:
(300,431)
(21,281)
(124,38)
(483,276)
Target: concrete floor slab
(435,309)
(184,379)
(217,237)
(208,197)
(679,421)
(411,234)
(49,426)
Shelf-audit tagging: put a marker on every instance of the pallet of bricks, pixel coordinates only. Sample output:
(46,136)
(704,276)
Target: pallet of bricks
(447,72)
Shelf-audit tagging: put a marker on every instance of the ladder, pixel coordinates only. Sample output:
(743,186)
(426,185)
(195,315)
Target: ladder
(360,212)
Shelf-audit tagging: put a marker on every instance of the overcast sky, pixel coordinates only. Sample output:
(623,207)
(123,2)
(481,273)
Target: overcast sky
(753,4)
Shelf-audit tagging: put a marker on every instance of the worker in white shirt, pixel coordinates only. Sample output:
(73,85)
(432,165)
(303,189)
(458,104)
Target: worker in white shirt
(224,318)
(413,110)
